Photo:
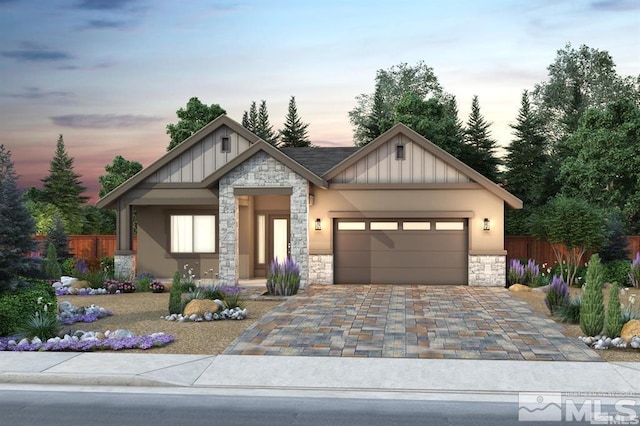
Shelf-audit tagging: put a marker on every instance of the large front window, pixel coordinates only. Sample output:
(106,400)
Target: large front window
(193,233)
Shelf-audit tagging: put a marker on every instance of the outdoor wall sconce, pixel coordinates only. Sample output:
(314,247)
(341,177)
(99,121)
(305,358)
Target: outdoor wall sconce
(318,224)
(487,224)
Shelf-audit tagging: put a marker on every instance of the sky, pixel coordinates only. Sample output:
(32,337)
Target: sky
(109,75)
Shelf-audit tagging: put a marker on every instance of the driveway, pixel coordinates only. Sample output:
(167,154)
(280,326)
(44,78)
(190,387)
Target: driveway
(409,321)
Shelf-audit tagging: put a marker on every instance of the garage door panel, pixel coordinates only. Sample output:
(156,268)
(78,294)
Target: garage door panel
(427,256)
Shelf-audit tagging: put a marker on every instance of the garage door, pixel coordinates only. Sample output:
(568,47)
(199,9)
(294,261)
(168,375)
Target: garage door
(400,251)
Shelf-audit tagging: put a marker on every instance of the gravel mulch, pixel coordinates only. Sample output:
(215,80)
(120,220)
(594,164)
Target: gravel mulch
(141,312)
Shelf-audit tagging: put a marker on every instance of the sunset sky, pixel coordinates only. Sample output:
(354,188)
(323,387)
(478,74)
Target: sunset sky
(109,75)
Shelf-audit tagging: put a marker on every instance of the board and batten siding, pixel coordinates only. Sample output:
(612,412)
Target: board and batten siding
(419,166)
(202,159)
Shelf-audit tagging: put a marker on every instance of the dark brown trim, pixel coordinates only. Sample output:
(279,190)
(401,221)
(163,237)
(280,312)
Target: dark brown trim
(402,214)
(487,253)
(182,185)
(263,190)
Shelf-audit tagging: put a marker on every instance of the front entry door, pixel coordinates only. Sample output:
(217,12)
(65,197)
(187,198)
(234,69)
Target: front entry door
(272,241)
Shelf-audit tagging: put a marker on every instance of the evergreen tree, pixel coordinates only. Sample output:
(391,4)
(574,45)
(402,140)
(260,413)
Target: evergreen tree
(63,189)
(294,133)
(58,238)
(481,148)
(253,116)
(16,229)
(264,129)
(245,120)
(526,160)
(592,311)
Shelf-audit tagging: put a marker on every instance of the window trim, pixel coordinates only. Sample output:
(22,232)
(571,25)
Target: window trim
(400,152)
(225,144)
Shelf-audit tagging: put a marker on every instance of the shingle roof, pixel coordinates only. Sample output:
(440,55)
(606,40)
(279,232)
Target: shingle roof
(319,160)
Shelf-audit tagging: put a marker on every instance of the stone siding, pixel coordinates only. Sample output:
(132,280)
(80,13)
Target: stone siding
(262,170)
(321,269)
(124,265)
(487,270)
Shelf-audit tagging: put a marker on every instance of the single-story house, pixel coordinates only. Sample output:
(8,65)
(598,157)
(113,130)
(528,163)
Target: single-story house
(398,210)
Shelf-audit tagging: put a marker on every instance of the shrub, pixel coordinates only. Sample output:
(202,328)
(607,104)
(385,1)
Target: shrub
(557,294)
(16,305)
(96,279)
(50,264)
(175,300)
(592,312)
(532,274)
(156,287)
(634,275)
(68,267)
(613,324)
(57,236)
(107,264)
(234,300)
(570,311)
(143,284)
(42,323)
(283,279)
(516,272)
(617,271)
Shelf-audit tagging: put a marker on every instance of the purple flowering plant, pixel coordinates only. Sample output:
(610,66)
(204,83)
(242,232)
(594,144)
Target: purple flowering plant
(557,294)
(283,279)
(634,275)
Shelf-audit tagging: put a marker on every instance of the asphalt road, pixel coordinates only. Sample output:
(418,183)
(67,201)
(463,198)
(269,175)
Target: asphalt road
(20,407)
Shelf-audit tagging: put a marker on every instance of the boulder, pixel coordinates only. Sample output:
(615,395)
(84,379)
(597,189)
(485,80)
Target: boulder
(199,307)
(630,329)
(79,284)
(519,287)
(67,281)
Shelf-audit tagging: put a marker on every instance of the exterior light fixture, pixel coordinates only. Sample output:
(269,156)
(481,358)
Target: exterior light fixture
(318,224)
(487,224)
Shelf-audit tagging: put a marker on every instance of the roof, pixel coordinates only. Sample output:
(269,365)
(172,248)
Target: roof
(319,160)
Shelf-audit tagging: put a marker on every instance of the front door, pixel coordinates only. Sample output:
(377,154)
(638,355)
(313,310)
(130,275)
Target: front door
(272,241)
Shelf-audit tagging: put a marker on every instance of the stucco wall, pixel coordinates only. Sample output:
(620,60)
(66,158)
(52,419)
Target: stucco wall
(481,202)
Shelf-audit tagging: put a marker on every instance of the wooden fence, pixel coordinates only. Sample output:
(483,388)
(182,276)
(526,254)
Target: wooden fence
(524,247)
(89,246)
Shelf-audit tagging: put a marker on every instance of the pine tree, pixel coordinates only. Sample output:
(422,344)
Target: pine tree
(264,129)
(58,238)
(253,116)
(481,148)
(245,120)
(16,229)
(294,133)
(526,160)
(63,189)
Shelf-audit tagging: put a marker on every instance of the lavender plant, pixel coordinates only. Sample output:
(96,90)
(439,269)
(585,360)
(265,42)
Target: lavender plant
(557,294)
(532,273)
(634,275)
(283,279)
(516,272)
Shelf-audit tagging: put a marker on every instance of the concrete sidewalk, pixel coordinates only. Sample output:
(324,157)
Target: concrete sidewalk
(233,374)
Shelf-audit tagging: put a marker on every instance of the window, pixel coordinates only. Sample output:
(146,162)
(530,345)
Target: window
(226,144)
(416,226)
(262,237)
(193,234)
(383,226)
(449,226)
(351,226)
(399,152)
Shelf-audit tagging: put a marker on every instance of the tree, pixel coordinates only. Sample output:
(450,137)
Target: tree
(58,238)
(117,173)
(435,119)
(100,221)
(64,189)
(263,128)
(572,226)
(16,230)
(373,113)
(191,119)
(579,79)
(606,166)
(482,149)
(526,160)
(592,310)
(294,133)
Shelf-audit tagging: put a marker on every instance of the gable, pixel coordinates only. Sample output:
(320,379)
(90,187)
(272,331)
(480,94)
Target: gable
(419,166)
(201,159)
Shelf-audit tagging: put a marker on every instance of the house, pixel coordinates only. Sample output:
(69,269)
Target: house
(399,210)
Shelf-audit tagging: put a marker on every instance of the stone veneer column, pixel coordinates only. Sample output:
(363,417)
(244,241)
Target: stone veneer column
(124,264)
(262,170)
(487,270)
(321,269)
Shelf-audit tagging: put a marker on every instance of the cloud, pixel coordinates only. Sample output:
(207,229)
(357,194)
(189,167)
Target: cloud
(615,5)
(102,121)
(104,4)
(105,24)
(32,52)
(98,66)
(38,93)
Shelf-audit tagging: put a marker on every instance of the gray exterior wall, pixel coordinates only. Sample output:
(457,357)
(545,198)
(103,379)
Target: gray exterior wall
(262,170)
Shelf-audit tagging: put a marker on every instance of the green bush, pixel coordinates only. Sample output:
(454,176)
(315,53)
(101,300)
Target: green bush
(68,267)
(50,264)
(613,324)
(592,312)
(232,301)
(143,284)
(570,311)
(617,271)
(175,295)
(16,305)
(43,325)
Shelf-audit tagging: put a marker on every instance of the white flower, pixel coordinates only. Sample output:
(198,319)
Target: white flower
(39,300)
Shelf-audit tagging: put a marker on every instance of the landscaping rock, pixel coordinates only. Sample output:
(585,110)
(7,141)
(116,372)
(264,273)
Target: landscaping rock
(67,281)
(79,284)
(199,307)
(630,329)
(519,287)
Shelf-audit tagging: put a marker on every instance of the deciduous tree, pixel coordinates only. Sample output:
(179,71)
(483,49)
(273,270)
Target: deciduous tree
(117,173)
(194,117)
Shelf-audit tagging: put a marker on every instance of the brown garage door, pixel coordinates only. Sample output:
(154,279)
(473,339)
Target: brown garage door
(400,251)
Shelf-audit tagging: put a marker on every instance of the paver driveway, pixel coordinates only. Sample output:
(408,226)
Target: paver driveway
(409,321)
